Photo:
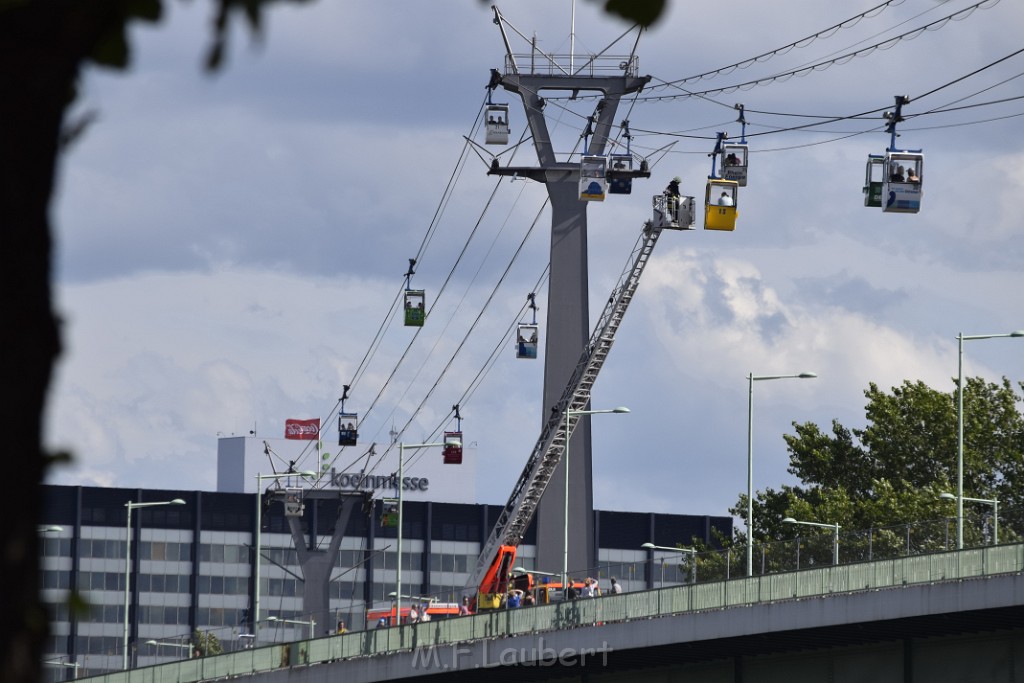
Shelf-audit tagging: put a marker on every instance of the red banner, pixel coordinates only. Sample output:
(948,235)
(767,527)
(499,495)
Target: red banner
(302,429)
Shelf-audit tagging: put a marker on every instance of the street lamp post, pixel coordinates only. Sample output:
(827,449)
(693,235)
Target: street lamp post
(401,474)
(260,478)
(180,646)
(995,511)
(835,534)
(751,378)
(692,552)
(128,563)
(960,426)
(70,665)
(311,624)
(565,537)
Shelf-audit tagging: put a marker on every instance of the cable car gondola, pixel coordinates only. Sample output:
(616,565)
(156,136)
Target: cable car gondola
(414,313)
(620,176)
(348,423)
(874,174)
(720,200)
(527,333)
(348,434)
(901,188)
(496,123)
(526,340)
(415,300)
(620,167)
(721,197)
(734,162)
(452,451)
(593,177)
(903,170)
(735,155)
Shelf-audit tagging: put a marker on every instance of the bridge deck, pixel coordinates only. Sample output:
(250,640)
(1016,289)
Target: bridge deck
(906,588)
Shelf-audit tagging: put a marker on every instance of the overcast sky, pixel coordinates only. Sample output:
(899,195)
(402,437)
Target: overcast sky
(228,247)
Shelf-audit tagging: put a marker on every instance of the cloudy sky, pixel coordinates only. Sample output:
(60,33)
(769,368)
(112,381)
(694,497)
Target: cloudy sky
(230,246)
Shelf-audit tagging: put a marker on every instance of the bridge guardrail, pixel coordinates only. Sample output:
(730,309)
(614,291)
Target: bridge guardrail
(849,578)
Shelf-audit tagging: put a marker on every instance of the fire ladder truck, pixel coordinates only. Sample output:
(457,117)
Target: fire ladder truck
(492,573)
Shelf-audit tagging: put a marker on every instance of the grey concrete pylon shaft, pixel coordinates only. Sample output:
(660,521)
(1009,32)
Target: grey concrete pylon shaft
(568,330)
(568,316)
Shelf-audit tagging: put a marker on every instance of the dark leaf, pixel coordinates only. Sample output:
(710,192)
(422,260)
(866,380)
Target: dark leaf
(643,12)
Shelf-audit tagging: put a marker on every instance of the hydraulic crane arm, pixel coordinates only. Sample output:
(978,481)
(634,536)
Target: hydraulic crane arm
(492,569)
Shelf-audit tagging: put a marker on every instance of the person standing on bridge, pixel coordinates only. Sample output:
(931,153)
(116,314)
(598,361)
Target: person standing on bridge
(616,586)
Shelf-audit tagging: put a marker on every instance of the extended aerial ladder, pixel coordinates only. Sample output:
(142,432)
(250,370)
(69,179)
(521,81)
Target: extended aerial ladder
(491,575)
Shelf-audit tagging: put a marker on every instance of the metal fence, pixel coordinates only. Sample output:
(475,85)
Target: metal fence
(713,595)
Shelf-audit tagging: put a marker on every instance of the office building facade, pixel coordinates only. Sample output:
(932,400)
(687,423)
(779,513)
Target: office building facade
(193,566)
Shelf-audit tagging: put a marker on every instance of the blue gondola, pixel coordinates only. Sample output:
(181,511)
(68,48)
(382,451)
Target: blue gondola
(526,340)
(348,434)
(348,423)
(620,177)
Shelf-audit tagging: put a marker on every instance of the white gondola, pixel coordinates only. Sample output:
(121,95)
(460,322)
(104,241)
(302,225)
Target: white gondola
(526,340)
(734,162)
(415,313)
(620,176)
(497,124)
(902,187)
(593,178)
(348,434)
(293,505)
(874,176)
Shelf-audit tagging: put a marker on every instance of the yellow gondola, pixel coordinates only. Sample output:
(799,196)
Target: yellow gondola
(720,204)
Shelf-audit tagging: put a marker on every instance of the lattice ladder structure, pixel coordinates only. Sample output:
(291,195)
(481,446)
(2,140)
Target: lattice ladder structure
(522,504)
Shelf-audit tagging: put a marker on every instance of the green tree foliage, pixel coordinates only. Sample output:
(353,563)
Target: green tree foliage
(890,473)
(205,644)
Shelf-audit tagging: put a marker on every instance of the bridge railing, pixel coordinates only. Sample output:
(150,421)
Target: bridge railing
(849,578)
